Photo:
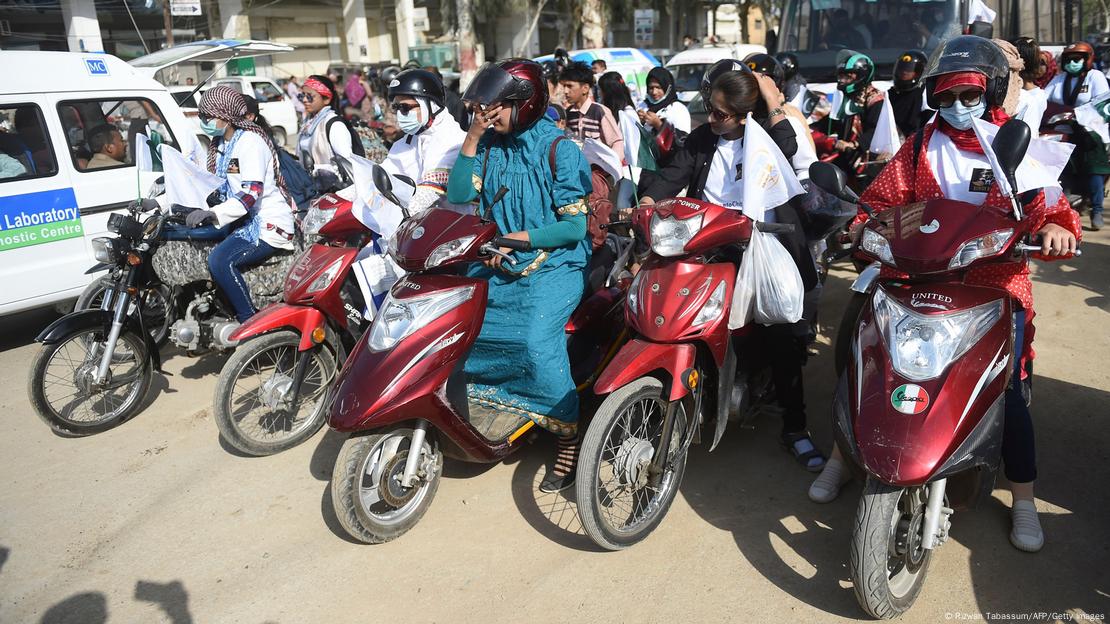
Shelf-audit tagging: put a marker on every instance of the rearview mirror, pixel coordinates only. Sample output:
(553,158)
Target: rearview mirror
(831,179)
(384,184)
(1010,145)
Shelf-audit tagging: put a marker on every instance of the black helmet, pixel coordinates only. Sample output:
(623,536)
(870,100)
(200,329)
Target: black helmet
(717,70)
(418,83)
(767,65)
(912,60)
(789,62)
(858,64)
(968,53)
(550,70)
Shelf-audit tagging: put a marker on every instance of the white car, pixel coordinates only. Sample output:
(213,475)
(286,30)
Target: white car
(68,131)
(689,66)
(273,103)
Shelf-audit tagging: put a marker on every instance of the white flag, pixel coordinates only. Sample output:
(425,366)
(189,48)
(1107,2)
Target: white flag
(1095,115)
(369,207)
(980,12)
(886,139)
(769,179)
(144,160)
(1041,168)
(600,154)
(186,183)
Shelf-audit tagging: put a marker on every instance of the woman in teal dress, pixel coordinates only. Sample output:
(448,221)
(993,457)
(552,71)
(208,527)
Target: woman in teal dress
(519,362)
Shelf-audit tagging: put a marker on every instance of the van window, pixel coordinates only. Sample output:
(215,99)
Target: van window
(102,133)
(234,84)
(266,92)
(25,150)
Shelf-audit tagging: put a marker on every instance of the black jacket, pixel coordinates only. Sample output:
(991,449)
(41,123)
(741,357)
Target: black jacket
(690,167)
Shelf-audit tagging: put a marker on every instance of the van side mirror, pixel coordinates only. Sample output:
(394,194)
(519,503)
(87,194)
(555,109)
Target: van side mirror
(829,178)
(1010,145)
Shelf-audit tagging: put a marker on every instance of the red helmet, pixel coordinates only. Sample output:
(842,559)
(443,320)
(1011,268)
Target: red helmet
(516,81)
(1081,48)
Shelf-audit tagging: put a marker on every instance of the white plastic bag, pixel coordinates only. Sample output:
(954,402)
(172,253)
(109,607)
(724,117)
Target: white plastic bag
(768,288)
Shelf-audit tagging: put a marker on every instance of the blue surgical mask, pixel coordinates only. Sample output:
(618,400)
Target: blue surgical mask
(962,117)
(1073,67)
(210,128)
(409,122)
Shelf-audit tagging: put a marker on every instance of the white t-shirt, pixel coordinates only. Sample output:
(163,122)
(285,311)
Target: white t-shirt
(724,185)
(963,176)
(1032,104)
(251,162)
(1094,87)
(806,154)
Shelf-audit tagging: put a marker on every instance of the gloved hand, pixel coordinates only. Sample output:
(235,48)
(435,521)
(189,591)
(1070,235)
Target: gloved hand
(144,205)
(198,217)
(178,210)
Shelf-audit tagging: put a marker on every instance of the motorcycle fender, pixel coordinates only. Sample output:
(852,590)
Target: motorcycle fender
(866,278)
(97,268)
(88,319)
(302,319)
(638,358)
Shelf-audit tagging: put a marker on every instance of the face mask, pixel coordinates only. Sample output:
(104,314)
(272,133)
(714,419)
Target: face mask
(652,100)
(211,129)
(1073,67)
(962,117)
(409,122)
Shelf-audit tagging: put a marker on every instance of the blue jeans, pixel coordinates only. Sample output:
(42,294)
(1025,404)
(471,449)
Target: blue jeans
(225,263)
(1019,453)
(178,232)
(1096,186)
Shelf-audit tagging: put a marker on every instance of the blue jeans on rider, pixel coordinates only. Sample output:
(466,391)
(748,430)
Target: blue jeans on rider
(1096,186)
(179,232)
(226,263)
(1019,454)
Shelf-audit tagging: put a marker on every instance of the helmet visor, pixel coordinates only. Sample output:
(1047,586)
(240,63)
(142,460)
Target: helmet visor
(493,85)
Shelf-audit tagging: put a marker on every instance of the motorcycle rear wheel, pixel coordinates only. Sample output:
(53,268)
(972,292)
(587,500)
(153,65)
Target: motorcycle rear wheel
(63,394)
(270,360)
(620,441)
(887,564)
(371,505)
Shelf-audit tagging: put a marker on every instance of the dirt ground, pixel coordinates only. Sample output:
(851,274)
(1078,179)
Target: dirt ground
(156,521)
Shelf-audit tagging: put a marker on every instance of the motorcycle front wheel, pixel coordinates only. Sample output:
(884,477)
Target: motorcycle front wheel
(372,505)
(619,504)
(63,388)
(157,308)
(887,562)
(253,400)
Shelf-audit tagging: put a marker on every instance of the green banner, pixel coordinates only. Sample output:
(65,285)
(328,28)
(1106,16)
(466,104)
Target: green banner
(39,234)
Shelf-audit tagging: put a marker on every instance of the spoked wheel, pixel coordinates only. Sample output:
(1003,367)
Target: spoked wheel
(63,387)
(371,502)
(888,563)
(157,312)
(254,406)
(619,501)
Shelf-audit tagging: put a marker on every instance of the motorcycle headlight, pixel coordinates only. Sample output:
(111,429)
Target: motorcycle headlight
(634,294)
(983,247)
(104,250)
(922,346)
(316,219)
(670,235)
(713,306)
(325,279)
(877,245)
(448,250)
(399,318)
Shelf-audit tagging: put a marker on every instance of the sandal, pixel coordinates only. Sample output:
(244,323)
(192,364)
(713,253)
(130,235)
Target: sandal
(802,448)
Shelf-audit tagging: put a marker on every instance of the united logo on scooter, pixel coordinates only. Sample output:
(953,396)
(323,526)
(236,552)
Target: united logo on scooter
(910,399)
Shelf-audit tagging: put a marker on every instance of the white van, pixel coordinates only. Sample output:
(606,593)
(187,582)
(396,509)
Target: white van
(67,161)
(633,64)
(689,66)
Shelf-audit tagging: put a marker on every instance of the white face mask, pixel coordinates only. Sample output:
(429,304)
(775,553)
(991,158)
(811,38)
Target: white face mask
(962,117)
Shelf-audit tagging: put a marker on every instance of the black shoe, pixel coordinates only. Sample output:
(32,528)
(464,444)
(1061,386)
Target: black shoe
(555,483)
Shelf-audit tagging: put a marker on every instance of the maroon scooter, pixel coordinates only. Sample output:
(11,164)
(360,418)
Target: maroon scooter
(920,405)
(402,393)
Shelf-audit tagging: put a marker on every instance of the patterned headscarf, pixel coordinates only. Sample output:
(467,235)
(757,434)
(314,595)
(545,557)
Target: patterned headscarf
(1013,93)
(225,103)
(1050,69)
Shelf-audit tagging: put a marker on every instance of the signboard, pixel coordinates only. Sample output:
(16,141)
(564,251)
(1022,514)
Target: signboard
(241,67)
(644,23)
(37,218)
(420,19)
(185,7)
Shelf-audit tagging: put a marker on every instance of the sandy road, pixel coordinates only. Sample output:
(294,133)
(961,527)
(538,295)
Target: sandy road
(157,522)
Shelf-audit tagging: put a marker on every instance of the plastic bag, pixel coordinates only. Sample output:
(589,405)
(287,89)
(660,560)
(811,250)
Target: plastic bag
(768,287)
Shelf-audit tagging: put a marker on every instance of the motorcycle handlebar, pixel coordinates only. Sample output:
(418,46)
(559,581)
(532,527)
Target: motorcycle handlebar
(511,243)
(775,228)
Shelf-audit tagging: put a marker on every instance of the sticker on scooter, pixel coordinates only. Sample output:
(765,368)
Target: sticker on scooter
(930,227)
(910,399)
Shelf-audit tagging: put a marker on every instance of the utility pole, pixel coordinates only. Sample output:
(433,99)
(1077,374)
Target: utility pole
(167,22)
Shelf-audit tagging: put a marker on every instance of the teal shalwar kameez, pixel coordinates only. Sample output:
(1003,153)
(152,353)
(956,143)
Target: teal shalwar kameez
(519,362)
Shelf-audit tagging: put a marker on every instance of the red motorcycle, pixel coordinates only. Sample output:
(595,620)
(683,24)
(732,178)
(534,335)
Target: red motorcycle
(679,371)
(270,395)
(920,405)
(402,394)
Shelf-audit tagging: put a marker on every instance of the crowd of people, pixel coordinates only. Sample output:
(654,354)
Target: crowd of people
(535,129)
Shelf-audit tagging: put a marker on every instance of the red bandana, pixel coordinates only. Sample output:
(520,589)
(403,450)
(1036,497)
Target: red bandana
(318,87)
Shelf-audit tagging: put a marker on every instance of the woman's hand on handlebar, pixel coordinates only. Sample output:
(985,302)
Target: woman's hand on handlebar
(494,262)
(1057,241)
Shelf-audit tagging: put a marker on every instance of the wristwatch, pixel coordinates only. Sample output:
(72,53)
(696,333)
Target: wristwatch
(776,111)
